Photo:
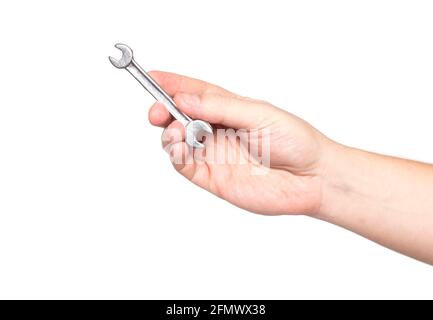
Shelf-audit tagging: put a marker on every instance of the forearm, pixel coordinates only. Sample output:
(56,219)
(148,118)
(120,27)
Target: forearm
(385,199)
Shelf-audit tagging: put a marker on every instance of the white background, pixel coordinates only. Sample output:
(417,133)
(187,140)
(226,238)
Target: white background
(90,206)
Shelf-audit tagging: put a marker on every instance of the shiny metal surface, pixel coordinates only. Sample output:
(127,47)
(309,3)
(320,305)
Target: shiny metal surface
(195,129)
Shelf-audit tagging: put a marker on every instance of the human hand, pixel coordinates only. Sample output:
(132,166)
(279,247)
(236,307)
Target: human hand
(290,183)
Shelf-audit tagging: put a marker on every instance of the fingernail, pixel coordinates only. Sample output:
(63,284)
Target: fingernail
(192,100)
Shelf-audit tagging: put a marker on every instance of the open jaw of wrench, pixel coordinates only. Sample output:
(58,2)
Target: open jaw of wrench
(195,129)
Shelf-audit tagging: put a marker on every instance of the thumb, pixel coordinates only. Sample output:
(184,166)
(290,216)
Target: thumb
(230,111)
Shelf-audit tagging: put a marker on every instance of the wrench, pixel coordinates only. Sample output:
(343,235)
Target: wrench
(195,129)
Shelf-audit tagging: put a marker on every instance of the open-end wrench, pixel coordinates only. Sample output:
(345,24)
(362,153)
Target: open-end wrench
(195,129)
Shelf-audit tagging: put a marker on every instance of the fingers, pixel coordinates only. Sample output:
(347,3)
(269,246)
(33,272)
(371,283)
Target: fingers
(186,161)
(159,116)
(173,134)
(173,83)
(173,142)
(229,111)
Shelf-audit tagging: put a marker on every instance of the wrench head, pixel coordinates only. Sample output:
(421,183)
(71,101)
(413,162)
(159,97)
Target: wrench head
(126,58)
(196,130)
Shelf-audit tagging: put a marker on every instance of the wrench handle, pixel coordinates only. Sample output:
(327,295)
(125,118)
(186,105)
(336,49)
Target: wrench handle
(156,91)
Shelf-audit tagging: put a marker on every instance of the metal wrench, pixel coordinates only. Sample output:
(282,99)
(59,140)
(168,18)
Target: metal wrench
(195,129)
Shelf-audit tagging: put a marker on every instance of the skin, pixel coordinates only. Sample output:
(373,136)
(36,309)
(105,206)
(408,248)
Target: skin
(385,199)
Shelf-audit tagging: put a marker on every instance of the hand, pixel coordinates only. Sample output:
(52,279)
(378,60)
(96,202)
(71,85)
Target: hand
(291,184)
(385,199)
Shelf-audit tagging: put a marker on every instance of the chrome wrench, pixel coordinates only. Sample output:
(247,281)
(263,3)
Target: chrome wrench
(195,129)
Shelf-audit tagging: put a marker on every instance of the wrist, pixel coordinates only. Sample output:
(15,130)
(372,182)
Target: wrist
(341,169)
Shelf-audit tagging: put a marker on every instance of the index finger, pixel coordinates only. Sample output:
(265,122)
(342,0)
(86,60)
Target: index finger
(173,83)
